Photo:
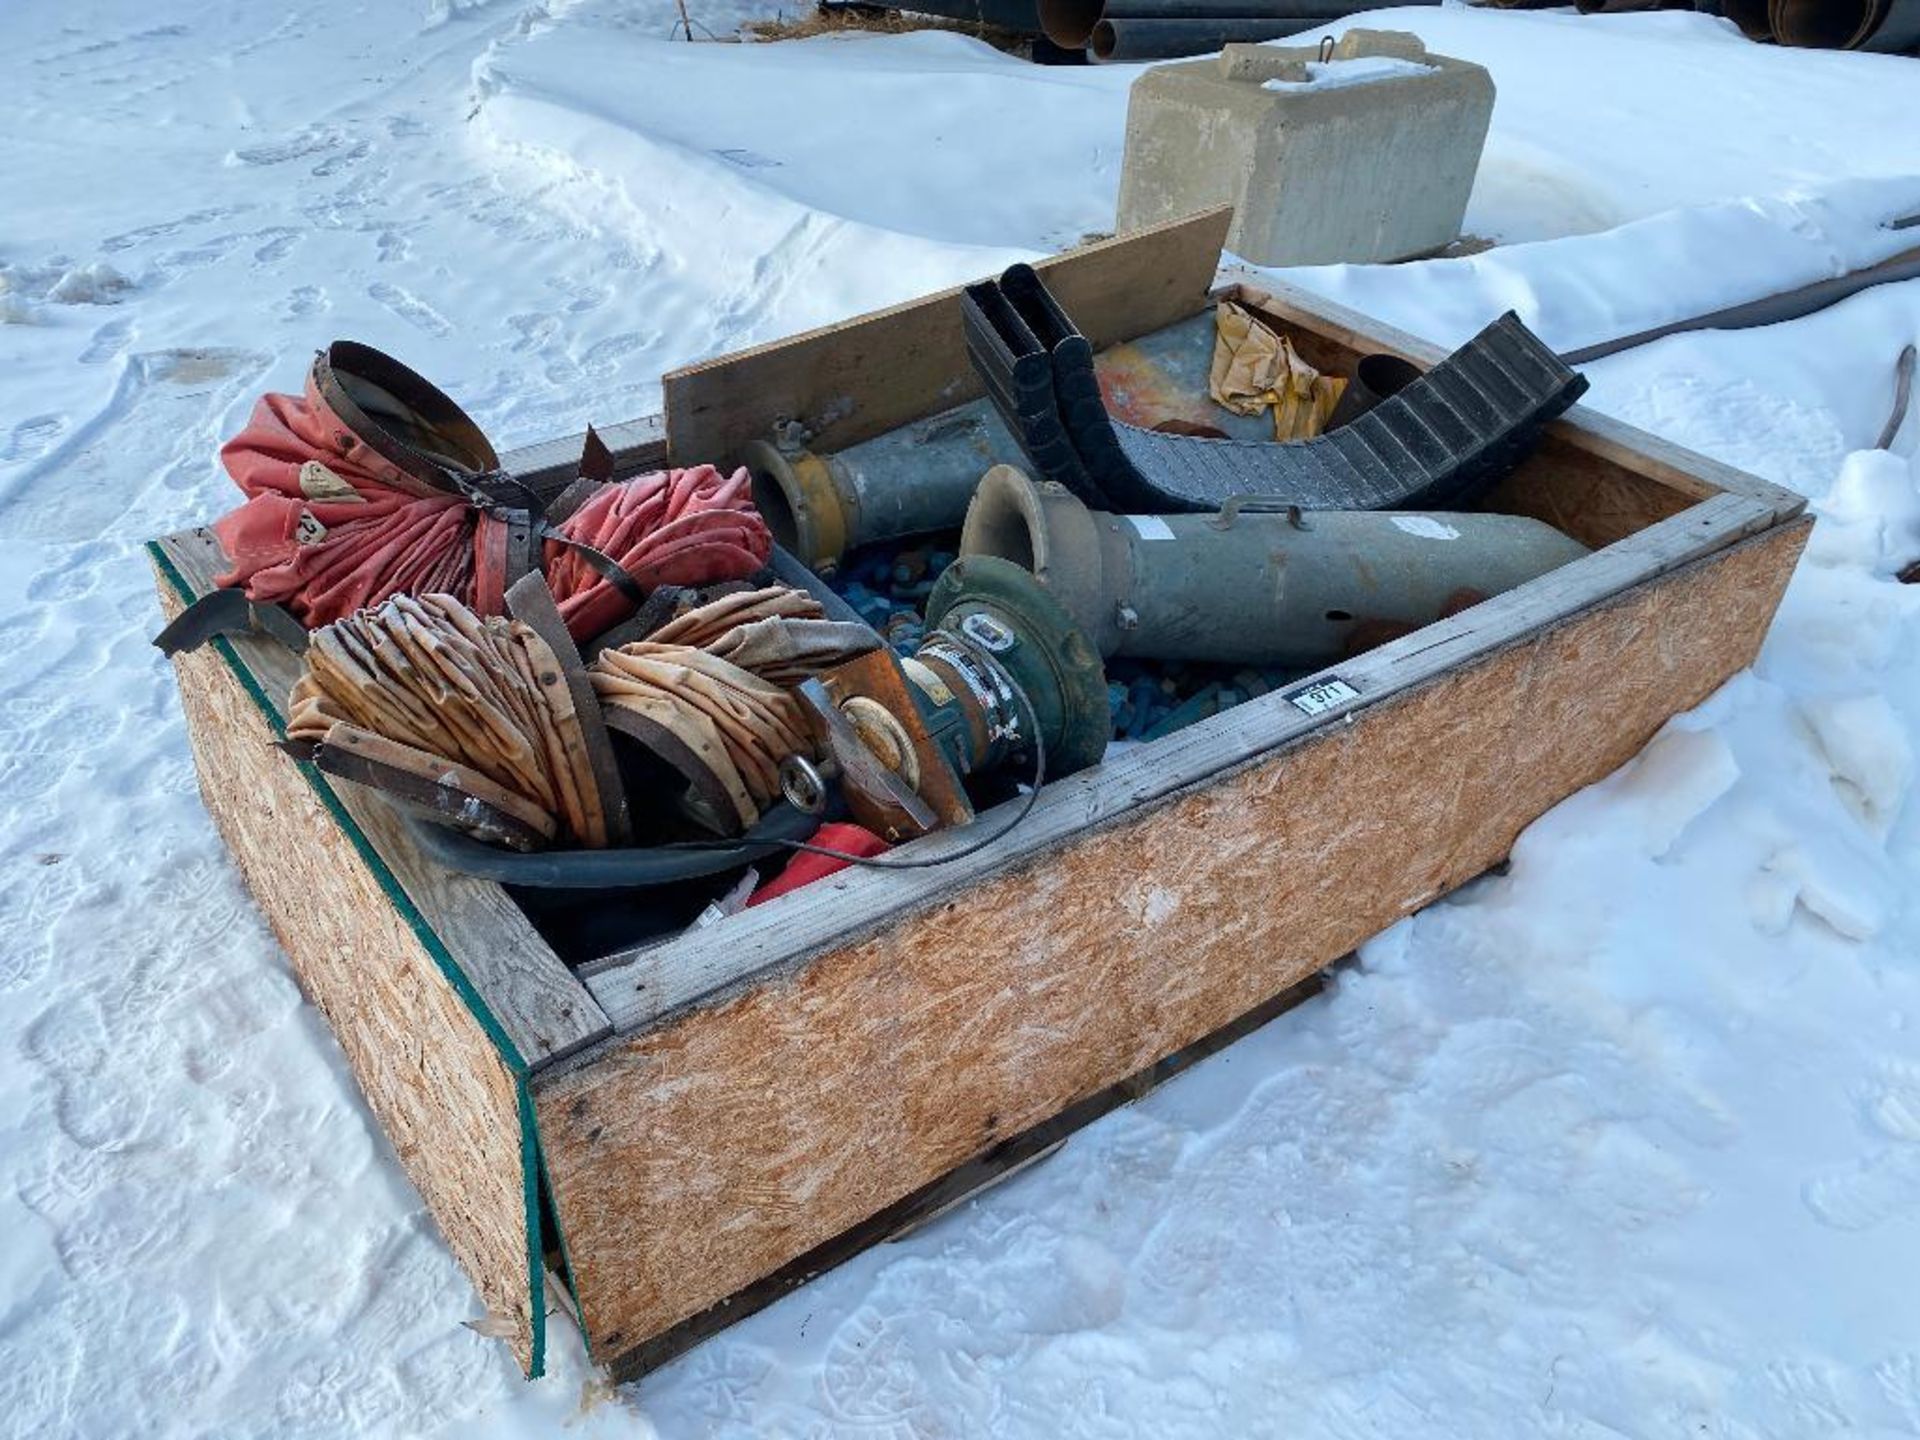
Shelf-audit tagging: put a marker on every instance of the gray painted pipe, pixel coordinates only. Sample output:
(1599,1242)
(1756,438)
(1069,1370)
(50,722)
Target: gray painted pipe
(1251,588)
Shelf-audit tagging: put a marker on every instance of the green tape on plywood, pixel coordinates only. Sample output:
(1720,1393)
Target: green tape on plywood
(531,1165)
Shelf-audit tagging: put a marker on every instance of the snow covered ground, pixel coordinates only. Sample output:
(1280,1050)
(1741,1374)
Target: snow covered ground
(1625,1142)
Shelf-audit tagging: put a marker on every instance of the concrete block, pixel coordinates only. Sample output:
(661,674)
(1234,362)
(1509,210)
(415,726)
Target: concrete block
(1322,163)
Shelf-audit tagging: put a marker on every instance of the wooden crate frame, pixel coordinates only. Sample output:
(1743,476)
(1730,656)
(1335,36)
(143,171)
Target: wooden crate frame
(683,1132)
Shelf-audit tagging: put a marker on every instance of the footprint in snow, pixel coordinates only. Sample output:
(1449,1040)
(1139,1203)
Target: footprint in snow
(126,240)
(107,342)
(276,242)
(306,300)
(313,140)
(1886,1183)
(410,308)
(33,438)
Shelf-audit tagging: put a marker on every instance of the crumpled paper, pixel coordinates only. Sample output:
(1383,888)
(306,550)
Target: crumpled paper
(1255,367)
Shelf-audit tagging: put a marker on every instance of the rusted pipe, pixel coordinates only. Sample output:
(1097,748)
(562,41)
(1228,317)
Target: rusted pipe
(1754,17)
(1121,40)
(1071,23)
(1890,26)
(1022,16)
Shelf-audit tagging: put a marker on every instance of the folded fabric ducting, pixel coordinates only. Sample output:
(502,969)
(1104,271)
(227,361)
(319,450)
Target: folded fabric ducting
(373,483)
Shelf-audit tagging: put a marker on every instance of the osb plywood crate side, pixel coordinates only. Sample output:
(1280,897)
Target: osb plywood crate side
(455,1110)
(692,1158)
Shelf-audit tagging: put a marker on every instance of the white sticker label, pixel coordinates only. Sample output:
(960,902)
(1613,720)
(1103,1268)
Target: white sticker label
(1150,527)
(1322,696)
(317,482)
(1426,527)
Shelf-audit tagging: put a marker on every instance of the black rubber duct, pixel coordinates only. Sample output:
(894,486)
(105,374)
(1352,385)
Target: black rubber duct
(1769,310)
(1437,444)
(1375,378)
(1019,15)
(1118,41)
(1071,23)
(1885,25)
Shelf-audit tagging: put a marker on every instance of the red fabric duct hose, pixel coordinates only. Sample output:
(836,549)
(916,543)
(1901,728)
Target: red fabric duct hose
(680,527)
(372,483)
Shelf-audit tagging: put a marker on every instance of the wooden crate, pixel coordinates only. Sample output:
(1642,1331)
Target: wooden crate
(682,1132)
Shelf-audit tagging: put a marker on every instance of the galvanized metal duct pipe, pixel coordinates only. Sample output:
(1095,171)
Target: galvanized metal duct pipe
(909,481)
(1071,23)
(1885,25)
(1251,588)
(918,478)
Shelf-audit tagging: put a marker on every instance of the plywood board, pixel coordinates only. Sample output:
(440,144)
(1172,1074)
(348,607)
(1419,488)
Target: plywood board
(858,379)
(691,1158)
(637,988)
(543,1010)
(436,1080)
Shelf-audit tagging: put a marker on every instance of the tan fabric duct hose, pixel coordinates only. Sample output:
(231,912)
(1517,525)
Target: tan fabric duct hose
(484,695)
(716,680)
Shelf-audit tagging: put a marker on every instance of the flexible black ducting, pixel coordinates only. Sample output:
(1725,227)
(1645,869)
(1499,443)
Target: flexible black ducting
(1885,25)
(1437,444)
(1119,41)
(1754,17)
(1769,310)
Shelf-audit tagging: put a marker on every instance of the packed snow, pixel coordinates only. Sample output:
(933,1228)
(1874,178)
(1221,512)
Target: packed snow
(1625,1141)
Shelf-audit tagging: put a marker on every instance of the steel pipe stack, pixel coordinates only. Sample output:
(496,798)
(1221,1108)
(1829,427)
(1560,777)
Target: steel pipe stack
(1120,30)
(1021,16)
(1889,26)
(1885,25)
(1123,30)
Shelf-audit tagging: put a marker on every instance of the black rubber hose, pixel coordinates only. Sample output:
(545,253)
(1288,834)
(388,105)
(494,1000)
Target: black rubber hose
(1770,310)
(776,833)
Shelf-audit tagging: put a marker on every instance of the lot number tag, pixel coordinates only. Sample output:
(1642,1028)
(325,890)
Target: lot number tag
(1322,696)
